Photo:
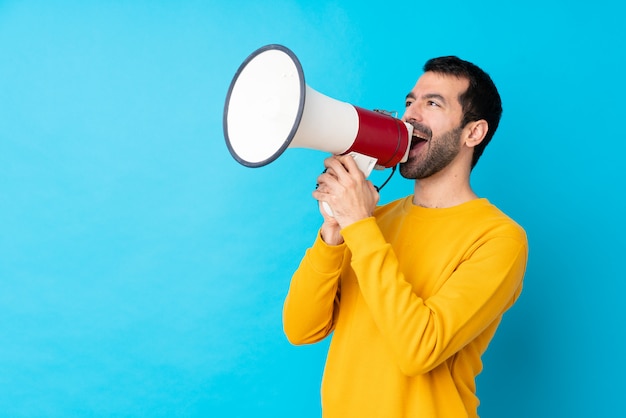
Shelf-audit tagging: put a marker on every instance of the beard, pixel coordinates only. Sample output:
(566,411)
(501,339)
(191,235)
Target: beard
(440,152)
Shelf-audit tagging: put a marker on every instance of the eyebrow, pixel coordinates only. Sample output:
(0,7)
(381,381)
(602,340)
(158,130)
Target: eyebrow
(429,96)
(435,96)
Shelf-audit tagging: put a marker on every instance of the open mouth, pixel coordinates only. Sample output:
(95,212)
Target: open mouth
(418,139)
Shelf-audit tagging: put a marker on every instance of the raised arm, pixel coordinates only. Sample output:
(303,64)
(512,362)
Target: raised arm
(423,331)
(312,303)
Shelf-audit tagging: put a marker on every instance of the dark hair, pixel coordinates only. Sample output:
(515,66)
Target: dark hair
(481,100)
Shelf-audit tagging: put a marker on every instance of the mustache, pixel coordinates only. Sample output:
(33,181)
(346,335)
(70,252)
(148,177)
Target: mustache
(422,130)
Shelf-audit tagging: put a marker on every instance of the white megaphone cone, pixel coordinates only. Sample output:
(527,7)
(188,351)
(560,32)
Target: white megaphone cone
(269,108)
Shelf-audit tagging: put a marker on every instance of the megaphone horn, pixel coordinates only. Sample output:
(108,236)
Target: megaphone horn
(269,108)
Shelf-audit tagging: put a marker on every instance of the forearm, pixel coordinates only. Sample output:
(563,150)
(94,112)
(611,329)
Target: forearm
(311,303)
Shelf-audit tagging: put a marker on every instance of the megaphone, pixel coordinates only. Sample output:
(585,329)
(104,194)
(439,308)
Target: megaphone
(269,108)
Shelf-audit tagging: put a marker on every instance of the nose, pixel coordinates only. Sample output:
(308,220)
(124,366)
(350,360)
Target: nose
(411,113)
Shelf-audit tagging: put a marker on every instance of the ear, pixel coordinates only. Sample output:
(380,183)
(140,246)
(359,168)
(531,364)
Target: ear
(476,132)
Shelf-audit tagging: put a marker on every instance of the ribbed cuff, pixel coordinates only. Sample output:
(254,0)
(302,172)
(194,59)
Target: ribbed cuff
(325,258)
(363,236)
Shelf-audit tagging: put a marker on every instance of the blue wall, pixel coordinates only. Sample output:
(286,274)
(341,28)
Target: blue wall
(142,270)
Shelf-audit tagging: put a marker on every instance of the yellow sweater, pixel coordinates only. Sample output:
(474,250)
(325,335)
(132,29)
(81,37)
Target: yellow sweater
(413,297)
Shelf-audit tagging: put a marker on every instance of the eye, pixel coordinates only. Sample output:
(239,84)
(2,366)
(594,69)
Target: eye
(432,103)
(407,103)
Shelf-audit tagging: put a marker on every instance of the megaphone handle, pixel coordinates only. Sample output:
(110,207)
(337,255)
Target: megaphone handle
(365,163)
(327,209)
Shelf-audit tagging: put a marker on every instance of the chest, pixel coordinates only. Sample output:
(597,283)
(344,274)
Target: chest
(428,252)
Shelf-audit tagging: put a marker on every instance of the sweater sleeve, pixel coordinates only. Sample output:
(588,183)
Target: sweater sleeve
(312,303)
(423,333)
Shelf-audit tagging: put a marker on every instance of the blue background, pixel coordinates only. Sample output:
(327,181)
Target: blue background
(142,270)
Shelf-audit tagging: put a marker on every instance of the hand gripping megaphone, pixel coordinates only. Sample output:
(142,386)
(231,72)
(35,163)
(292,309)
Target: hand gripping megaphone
(269,108)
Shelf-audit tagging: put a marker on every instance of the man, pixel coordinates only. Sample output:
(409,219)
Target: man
(414,290)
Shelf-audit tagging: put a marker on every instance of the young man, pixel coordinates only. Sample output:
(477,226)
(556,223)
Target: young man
(414,290)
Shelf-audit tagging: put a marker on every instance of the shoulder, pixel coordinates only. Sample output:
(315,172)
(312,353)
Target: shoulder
(493,217)
(396,206)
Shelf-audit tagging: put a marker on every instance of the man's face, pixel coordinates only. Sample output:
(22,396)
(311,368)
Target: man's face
(433,108)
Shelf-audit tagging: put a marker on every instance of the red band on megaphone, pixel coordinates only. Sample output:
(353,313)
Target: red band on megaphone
(380,136)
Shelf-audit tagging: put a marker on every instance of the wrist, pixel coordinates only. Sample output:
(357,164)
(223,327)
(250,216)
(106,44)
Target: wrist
(331,235)
(346,221)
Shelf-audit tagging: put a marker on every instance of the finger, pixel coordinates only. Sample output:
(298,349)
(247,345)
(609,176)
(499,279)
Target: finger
(317,185)
(325,180)
(349,163)
(336,167)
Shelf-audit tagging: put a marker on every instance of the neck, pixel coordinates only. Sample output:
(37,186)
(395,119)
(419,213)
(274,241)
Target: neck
(445,189)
